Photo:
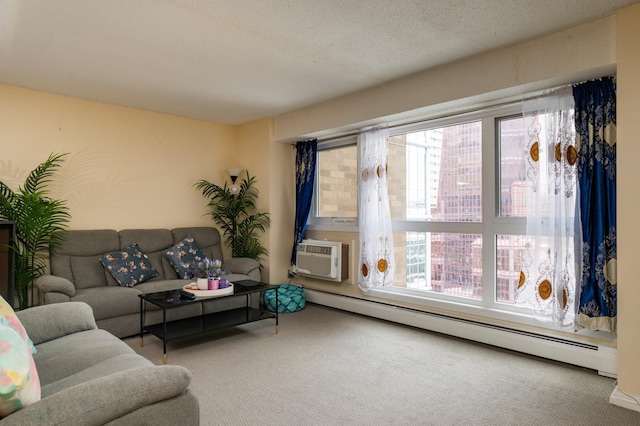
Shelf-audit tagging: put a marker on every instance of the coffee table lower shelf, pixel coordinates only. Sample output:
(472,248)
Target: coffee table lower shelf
(208,323)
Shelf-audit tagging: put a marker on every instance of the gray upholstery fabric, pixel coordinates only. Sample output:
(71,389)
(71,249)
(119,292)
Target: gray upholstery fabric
(168,412)
(110,301)
(110,365)
(78,275)
(77,256)
(53,297)
(52,283)
(90,377)
(242,266)
(70,354)
(104,399)
(70,318)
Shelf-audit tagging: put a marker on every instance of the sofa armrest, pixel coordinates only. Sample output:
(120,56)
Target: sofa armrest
(105,399)
(241,265)
(52,283)
(48,322)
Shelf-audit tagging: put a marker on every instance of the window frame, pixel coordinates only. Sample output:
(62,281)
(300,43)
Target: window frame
(491,226)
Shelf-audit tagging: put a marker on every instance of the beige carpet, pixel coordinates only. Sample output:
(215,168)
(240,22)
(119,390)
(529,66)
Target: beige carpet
(328,367)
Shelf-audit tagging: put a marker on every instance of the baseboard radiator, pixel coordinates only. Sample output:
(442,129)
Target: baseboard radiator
(595,357)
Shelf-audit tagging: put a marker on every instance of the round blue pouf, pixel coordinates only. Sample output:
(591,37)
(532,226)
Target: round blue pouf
(290,299)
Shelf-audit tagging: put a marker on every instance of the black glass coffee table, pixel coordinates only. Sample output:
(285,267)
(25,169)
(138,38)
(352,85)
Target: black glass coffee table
(206,323)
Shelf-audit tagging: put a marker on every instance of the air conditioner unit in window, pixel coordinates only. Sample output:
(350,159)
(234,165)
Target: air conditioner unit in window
(327,260)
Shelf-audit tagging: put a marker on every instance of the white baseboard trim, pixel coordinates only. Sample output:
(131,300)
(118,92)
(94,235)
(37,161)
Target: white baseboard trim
(625,400)
(600,358)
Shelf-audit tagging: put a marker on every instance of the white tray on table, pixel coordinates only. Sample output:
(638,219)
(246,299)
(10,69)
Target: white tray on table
(192,288)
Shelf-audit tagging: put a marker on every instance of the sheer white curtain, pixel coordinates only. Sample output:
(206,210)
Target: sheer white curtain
(549,262)
(376,238)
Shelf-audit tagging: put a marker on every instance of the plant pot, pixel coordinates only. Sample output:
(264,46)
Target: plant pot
(203,283)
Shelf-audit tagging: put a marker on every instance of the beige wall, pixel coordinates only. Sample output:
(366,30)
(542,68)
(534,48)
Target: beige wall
(126,168)
(586,51)
(628,175)
(271,164)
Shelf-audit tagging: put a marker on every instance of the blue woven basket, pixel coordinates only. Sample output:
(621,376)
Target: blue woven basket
(290,299)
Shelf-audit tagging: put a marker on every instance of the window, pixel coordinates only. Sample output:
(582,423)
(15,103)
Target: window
(456,190)
(459,208)
(336,194)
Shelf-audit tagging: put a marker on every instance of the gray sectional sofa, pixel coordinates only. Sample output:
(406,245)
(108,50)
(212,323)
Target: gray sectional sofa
(78,275)
(90,377)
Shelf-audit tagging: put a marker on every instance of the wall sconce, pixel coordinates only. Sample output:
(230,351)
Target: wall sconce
(234,172)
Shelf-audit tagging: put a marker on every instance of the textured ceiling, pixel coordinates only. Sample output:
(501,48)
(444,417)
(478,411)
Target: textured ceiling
(236,61)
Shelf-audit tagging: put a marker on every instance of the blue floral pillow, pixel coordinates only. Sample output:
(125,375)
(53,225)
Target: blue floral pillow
(129,266)
(182,255)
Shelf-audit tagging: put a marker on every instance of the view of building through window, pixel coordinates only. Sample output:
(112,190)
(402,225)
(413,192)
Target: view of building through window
(337,187)
(442,172)
(435,182)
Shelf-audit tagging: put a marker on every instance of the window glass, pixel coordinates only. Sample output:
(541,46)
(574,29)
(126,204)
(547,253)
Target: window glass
(439,262)
(337,186)
(508,256)
(436,174)
(511,143)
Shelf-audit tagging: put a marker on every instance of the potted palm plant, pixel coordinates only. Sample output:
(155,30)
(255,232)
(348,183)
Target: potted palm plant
(39,220)
(236,214)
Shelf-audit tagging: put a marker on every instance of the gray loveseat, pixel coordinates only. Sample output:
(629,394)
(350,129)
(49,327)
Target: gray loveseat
(77,275)
(90,377)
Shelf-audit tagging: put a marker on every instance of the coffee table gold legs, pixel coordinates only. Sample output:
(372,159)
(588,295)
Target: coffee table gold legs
(164,359)
(141,342)
(276,329)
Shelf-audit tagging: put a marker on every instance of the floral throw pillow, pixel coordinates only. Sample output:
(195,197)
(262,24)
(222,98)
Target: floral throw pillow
(129,266)
(182,255)
(19,381)
(8,317)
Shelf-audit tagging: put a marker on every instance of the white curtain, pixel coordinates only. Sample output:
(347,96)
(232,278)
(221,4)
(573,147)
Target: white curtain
(376,238)
(549,262)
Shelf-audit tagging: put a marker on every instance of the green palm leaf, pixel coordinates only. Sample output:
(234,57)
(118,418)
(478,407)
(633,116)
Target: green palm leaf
(236,216)
(39,221)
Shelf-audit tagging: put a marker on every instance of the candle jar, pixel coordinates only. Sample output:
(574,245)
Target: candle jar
(213,283)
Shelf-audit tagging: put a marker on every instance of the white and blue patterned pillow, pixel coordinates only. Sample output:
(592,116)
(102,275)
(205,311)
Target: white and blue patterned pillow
(129,266)
(183,255)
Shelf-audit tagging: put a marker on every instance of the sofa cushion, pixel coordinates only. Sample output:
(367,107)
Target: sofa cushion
(109,302)
(152,242)
(70,317)
(207,238)
(19,383)
(77,256)
(73,353)
(129,266)
(103,368)
(183,254)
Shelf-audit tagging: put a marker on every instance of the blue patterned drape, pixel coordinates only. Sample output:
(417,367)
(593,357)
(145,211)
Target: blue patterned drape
(595,121)
(306,154)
